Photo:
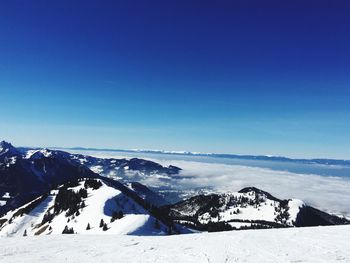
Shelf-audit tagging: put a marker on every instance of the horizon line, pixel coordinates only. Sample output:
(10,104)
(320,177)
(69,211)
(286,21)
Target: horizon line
(206,154)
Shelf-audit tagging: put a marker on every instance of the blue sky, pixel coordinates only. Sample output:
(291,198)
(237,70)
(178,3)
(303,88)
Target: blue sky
(248,77)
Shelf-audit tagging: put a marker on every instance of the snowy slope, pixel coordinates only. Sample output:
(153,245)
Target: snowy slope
(314,244)
(250,204)
(248,208)
(99,204)
(265,210)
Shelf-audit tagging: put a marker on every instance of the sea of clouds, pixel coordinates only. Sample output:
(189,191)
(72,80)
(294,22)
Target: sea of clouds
(328,193)
(324,192)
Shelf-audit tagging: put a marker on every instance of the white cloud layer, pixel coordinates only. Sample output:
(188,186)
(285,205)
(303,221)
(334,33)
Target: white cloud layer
(331,194)
(324,192)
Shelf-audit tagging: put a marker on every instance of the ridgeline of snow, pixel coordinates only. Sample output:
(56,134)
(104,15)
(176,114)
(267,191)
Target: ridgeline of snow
(315,244)
(264,157)
(264,210)
(99,204)
(248,205)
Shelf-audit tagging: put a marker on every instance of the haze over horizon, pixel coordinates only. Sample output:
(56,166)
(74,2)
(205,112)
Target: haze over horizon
(270,78)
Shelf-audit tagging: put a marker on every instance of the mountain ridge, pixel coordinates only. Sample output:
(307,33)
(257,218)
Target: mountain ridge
(324,161)
(34,179)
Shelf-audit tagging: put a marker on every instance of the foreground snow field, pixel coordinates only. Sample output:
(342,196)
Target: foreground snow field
(316,244)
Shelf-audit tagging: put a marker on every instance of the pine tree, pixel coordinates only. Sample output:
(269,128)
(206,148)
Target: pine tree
(65,230)
(83,193)
(117,215)
(25,233)
(88,226)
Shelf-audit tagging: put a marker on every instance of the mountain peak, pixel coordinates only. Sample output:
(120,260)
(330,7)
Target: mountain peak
(5,144)
(6,147)
(258,191)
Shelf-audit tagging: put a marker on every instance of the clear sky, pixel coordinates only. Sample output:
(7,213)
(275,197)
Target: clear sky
(246,77)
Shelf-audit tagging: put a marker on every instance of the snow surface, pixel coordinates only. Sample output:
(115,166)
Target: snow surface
(30,153)
(294,208)
(100,204)
(6,195)
(316,244)
(97,169)
(266,210)
(44,152)
(239,224)
(4,199)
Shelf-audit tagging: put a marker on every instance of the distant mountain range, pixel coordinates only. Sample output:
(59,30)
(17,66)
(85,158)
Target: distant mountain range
(27,173)
(323,161)
(46,191)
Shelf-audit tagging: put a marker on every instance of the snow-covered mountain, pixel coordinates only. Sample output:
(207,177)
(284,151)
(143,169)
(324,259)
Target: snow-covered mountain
(46,191)
(127,170)
(85,206)
(248,208)
(124,170)
(135,171)
(27,173)
(7,150)
(24,175)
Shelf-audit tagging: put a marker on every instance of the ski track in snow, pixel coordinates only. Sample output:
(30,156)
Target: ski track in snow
(314,244)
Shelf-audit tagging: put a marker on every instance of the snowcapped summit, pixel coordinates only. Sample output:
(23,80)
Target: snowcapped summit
(25,176)
(7,149)
(4,144)
(246,209)
(85,206)
(34,154)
